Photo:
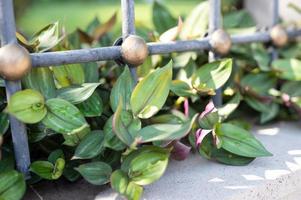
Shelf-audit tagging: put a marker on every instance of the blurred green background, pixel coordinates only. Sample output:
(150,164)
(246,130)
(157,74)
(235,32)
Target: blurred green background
(33,15)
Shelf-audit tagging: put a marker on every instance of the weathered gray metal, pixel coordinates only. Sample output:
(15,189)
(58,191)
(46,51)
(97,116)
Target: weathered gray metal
(215,23)
(128,18)
(128,25)
(18,129)
(155,48)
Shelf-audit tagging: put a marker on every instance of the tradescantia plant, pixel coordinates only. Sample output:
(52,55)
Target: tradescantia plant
(94,121)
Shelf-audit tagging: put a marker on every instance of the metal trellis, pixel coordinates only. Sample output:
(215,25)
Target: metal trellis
(7,33)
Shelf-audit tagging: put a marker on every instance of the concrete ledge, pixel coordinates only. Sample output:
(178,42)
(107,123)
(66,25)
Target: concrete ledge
(276,177)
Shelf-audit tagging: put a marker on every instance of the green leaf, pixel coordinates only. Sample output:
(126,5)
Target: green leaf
(151,93)
(41,79)
(244,124)
(259,83)
(238,19)
(209,120)
(75,73)
(92,107)
(28,106)
(91,72)
(48,170)
(61,75)
(182,89)
(96,173)
(185,60)
(261,56)
(268,116)
(125,125)
(162,18)
(12,185)
(122,90)
(58,168)
(134,191)
(145,68)
(229,158)
(77,94)
(256,105)
(7,161)
(208,150)
(69,172)
(90,146)
(239,141)
(157,132)
(167,119)
(172,33)
(63,117)
(292,88)
(291,51)
(93,25)
(74,138)
(146,165)
(111,140)
(268,110)
(119,181)
(196,23)
(69,75)
(212,76)
(4,123)
(230,106)
(56,155)
(48,37)
(38,132)
(288,69)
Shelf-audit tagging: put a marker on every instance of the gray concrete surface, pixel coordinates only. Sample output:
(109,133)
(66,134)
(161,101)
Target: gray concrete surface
(276,177)
(261,10)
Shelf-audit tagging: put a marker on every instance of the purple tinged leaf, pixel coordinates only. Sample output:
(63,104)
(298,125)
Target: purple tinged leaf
(286,99)
(186,108)
(208,109)
(200,135)
(180,151)
(216,140)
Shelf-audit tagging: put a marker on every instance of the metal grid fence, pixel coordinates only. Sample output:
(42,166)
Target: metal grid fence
(7,36)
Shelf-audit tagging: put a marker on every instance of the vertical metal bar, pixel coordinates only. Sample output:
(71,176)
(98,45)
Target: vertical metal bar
(214,15)
(128,17)
(275,12)
(18,129)
(275,21)
(128,25)
(214,24)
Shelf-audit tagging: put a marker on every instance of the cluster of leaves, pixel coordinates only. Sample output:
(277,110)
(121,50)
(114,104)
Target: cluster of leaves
(94,121)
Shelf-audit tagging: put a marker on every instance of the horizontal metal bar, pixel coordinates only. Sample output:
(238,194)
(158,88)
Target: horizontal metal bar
(178,46)
(255,37)
(75,56)
(112,53)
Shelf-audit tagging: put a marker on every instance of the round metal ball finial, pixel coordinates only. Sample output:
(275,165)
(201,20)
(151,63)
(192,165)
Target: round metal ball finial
(279,36)
(134,50)
(15,62)
(221,42)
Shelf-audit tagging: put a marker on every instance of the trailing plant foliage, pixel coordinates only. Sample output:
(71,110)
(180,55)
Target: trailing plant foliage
(93,121)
